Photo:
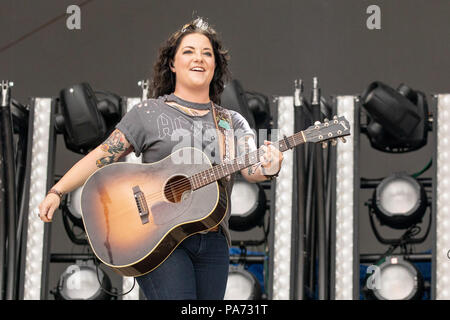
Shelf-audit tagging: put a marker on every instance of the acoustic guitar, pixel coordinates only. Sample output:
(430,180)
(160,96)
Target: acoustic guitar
(135,215)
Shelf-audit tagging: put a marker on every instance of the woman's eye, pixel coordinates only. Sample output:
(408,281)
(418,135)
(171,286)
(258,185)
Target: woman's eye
(187,51)
(208,54)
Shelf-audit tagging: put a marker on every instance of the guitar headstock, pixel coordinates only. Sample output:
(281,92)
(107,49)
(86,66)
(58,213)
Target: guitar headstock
(339,127)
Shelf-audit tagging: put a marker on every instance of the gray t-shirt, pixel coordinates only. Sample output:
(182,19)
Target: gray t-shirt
(157,129)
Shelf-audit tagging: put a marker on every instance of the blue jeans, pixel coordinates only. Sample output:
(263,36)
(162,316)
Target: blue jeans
(196,269)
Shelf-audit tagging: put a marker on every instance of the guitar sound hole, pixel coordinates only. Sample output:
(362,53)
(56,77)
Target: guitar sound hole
(177,188)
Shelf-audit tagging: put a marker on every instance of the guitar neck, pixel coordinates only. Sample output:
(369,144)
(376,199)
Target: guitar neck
(217,172)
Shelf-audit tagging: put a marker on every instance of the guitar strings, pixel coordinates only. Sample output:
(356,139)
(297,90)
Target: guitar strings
(180,185)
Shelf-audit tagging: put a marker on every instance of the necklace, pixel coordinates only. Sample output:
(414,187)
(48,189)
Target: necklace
(193,105)
(189,111)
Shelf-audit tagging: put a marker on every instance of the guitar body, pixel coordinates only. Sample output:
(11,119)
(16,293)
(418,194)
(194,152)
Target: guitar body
(115,197)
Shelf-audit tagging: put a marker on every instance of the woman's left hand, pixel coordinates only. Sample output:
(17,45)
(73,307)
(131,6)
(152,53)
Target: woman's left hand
(271,159)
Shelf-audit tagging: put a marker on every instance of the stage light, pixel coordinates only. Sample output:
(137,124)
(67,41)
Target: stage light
(72,207)
(346,200)
(80,281)
(248,205)
(233,98)
(72,216)
(282,220)
(399,201)
(398,279)
(397,119)
(85,120)
(441,202)
(42,149)
(242,285)
(259,106)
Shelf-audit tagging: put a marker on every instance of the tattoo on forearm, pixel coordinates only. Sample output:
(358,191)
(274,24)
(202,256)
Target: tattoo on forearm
(114,145)
(252,169)
(245,145)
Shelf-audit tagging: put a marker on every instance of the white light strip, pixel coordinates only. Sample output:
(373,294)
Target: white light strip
(443,199)
(344,205)
(283,205)
(38,186)
(128,282)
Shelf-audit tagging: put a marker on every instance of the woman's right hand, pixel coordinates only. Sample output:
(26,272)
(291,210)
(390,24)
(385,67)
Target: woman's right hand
(48,206)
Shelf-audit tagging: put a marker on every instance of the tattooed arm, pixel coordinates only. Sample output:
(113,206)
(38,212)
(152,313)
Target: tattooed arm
(114,147)
(110,151)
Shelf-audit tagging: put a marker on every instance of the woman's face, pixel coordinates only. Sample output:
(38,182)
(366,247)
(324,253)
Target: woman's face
(194,63)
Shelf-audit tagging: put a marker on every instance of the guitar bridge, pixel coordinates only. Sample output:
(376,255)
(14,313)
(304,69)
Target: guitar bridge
(141,204)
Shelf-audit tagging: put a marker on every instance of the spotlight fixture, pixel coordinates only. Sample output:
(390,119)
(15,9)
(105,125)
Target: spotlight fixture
(233,97)
(259,106)
(397,279)
(81,281)
(399,201)
(72,216)
(248,205)
(72,206)
(84,120)
(397,119)
(242,285)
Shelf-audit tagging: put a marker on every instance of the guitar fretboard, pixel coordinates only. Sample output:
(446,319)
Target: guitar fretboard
(217,172)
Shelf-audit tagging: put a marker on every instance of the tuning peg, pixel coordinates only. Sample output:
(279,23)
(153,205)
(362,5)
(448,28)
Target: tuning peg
(333,142)
(343,139)
(324,145)
(335,118)
(316,123)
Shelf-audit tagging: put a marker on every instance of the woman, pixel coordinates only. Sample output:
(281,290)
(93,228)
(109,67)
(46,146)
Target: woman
(189,76)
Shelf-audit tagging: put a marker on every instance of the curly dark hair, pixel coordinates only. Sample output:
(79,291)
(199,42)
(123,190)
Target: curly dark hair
(163,81)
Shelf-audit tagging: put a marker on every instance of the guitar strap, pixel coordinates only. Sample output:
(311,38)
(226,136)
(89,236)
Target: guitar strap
(224,125)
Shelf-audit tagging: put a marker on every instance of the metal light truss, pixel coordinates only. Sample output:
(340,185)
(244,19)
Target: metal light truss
(283,205)
(41,153)
(442,192)
(345,230)
(127,282)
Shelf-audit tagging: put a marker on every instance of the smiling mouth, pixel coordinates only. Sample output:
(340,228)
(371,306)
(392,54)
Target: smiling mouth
(197,70)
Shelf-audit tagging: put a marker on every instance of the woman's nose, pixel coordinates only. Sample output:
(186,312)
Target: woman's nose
(198,56)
